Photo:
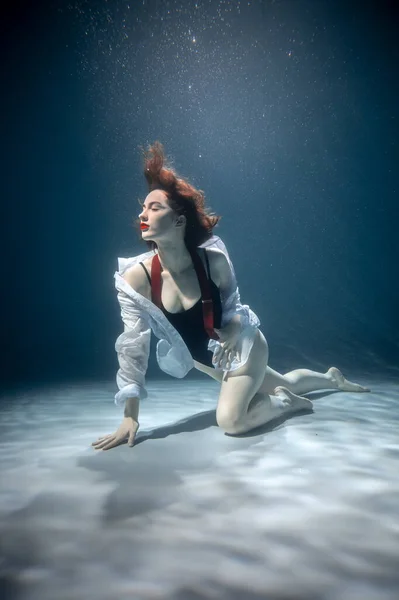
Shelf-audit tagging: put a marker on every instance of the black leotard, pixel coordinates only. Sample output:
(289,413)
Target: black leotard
(190,323)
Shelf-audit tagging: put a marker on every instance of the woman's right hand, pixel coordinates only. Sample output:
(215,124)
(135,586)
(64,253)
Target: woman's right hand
(126,431)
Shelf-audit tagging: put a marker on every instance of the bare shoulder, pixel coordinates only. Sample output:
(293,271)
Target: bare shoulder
(137,278)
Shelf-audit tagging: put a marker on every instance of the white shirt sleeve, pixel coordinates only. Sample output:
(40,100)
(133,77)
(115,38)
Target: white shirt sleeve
(231,302)
(230,293)
(249,321)
(133,350)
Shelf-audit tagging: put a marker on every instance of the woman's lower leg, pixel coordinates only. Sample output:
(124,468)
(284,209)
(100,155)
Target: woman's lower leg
(302,381)
(264,408)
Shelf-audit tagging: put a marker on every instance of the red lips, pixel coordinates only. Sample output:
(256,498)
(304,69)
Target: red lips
(144,226)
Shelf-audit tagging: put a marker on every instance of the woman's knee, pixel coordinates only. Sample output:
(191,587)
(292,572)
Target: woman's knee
(240,386)
(227,421)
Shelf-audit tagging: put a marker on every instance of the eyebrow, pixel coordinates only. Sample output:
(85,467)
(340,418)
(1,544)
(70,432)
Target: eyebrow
(153,202)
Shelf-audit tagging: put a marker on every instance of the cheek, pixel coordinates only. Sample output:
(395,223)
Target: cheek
(164,221)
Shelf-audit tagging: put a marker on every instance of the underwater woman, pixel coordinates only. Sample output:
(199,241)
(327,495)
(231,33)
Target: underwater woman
(184,290)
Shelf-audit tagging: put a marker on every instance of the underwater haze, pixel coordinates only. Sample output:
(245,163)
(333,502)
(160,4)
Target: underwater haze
(285,114)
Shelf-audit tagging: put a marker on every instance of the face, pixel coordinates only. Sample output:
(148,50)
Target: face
(159,217)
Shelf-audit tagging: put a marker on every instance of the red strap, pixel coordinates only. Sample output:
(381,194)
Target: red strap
(207,303)
(156,283)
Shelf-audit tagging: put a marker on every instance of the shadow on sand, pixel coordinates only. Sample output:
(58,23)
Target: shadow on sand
(204,420)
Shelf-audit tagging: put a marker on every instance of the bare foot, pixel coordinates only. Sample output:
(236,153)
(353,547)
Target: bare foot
(293,402)
(343,384)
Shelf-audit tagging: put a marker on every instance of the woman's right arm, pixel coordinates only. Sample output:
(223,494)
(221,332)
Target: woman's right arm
(131,410)
(133,345)
(133,348)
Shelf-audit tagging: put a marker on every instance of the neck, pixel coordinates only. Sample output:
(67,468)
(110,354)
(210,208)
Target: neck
(174,256)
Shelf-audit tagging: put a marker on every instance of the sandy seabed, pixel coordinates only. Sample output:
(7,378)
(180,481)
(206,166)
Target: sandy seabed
(302,508)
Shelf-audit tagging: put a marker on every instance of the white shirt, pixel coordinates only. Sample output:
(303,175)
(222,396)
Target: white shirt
(141,316)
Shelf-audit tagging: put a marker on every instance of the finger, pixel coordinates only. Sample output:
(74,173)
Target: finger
(227,355)
(101,445)
(101,442)
(230,359)
(218,352)
(109,445)
(225,363)
(100,439)
(114,443)
(98,444)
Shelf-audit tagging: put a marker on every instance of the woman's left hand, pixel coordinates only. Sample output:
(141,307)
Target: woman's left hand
(228,338)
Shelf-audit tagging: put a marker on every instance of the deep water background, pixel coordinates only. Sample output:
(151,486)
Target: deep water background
(285,114)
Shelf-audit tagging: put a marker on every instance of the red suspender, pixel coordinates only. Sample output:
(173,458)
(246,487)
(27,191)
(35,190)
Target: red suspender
(156,281)
(207,304)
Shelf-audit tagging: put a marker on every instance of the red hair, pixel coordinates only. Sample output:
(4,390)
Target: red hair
(183,198)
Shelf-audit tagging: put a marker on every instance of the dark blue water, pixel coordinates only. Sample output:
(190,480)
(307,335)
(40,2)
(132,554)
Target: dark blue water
(285,114)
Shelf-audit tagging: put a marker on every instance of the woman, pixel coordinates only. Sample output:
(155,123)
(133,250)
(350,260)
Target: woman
(184,290)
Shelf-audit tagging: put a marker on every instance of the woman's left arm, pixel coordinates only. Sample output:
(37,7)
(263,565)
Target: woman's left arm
(224,276)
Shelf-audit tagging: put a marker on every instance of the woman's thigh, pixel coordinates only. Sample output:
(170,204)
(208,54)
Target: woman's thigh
(239,387)
(272,380)
(218,375)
